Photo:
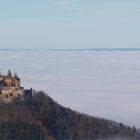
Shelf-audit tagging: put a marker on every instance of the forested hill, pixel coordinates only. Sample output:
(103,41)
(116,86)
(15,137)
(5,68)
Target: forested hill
(40,118)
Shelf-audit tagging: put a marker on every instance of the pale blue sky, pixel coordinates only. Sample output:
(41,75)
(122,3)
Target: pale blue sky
(69,24)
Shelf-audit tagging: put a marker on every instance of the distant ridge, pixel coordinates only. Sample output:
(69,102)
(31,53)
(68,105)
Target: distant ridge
(18,49)
(86,49)
(98,49)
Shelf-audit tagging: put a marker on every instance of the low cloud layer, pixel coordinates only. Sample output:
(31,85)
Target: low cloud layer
(104,84)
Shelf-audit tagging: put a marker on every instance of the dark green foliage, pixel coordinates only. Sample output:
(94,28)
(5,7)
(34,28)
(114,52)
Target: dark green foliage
(40,118)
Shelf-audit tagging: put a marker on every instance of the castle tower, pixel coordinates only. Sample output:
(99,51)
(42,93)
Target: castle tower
(17,81)
(17,84)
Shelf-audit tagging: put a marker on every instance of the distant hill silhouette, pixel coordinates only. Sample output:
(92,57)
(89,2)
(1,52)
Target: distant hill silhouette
(41,118)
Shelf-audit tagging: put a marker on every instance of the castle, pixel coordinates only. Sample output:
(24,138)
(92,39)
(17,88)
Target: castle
(10,87)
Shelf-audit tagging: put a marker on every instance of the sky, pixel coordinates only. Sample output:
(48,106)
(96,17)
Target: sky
(55,24)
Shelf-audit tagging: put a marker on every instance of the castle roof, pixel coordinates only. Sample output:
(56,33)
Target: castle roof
(2,77)
(9,76)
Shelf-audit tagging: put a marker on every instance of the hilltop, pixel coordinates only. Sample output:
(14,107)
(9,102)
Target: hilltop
(40,118)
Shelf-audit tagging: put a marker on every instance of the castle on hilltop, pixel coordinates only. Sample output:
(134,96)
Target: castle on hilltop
(10,87)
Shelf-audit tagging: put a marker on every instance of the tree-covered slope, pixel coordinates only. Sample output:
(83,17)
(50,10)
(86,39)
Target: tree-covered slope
(40,118)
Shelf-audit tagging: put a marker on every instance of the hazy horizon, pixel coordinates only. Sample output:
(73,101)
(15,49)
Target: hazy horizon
(86,49)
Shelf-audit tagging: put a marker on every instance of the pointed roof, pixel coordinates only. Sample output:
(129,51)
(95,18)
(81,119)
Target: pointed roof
(9,73)
(16,76)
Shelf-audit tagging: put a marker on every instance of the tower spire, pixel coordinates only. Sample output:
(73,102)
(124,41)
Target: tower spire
(9,73)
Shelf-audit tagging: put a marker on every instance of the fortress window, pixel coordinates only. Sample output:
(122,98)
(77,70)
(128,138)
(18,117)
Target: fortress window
(6,96)
(11,94)
(18,95)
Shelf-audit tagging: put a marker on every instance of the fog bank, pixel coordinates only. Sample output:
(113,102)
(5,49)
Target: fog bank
(105,84)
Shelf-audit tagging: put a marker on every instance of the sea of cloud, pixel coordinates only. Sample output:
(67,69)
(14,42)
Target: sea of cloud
(100,83)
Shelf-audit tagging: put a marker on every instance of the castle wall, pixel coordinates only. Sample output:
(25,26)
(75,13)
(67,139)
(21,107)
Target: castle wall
(1,78)
(18,93)
(17,84)
(8,88)
(6,92)
(7,82)
(7,96)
